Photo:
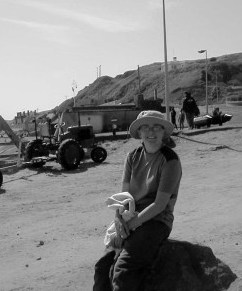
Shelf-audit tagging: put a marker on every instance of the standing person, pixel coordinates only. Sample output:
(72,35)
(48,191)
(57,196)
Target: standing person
(152,175)
(190,108)
(181,119)
(173,117)
(114,128)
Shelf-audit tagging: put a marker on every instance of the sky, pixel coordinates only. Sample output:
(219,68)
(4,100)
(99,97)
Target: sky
(46,46)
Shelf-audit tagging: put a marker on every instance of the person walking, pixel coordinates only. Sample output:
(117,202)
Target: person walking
(152,174)
(181,119)
(173,117)
(190,108)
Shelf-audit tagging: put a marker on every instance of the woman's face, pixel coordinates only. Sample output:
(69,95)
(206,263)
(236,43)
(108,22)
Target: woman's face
(152,136)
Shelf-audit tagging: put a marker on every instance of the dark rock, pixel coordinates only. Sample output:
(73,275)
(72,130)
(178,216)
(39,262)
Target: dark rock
(41,243)
(182,266)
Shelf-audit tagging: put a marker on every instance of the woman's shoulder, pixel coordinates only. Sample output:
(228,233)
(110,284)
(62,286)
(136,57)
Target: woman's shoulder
(169,153)
(133,155)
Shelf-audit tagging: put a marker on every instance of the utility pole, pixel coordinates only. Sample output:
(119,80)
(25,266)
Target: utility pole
(206,83)
(216,77)
(166,66)
(206,68)
(139,78)
(99,71)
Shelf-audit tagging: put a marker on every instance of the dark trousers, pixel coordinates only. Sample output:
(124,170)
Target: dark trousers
(174,123)
(103,269)
(189,118)
(135,260)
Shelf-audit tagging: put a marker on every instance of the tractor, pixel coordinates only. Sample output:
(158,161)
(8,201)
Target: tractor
(67,148)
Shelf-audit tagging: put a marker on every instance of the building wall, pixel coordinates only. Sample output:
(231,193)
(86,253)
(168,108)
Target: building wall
(102,118)
(95,119)
(122,118)
(101,121)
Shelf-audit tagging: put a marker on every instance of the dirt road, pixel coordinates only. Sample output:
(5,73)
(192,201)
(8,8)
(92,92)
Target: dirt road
(53,222)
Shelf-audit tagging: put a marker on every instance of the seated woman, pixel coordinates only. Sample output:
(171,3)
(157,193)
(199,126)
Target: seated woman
(152,175)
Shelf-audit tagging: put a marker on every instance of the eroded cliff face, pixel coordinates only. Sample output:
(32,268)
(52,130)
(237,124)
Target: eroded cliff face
(223,72)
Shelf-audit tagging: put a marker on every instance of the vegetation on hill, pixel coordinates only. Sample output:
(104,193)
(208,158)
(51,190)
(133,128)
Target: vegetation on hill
(223,72)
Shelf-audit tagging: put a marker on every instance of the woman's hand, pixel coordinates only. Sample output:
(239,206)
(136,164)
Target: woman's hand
(121,226)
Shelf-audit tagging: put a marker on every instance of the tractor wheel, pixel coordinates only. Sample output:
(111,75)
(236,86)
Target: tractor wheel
(70,154)
(1,179)
(98,154)
(33,149)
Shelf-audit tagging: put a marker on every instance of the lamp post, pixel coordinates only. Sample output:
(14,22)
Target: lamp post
(206,65)
(166,66)
(216,76)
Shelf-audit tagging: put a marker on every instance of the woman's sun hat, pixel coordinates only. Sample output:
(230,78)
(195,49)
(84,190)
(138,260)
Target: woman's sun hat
(150,117)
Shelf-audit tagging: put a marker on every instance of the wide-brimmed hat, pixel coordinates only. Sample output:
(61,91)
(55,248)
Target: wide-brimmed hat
(150,117)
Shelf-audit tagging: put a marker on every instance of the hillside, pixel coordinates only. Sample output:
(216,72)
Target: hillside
(183,75)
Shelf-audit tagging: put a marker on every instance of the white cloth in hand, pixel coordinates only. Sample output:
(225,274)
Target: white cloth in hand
(125,204)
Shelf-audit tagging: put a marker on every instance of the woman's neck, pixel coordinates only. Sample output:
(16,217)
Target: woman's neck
(152,149)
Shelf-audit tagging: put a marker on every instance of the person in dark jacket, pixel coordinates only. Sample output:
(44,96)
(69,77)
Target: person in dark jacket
(190,108)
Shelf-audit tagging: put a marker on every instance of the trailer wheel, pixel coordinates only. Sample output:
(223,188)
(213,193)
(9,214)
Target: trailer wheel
(70,154)
(33,149)
(98,154)
(1,179)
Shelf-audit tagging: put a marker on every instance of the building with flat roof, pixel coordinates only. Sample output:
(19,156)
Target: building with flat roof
(104,116)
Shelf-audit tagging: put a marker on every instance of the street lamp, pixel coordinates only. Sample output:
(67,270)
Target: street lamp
(166,66)
(201,52)
(216,76)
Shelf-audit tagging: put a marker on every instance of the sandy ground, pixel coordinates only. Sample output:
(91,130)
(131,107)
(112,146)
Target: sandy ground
(53,221)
